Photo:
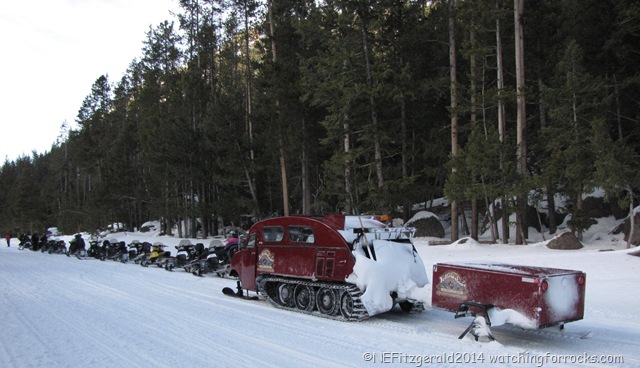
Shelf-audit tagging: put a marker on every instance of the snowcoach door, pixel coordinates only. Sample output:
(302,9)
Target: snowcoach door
(248,262)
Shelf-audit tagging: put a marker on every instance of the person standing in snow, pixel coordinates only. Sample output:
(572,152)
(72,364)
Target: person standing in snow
(8,237)
(80,244)
(35,241)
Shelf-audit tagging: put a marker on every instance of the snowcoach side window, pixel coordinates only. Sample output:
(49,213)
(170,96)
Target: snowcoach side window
(272,233)
(251,241)
(301,234)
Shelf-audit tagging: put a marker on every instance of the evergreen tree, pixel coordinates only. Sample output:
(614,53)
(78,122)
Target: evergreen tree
(573,101)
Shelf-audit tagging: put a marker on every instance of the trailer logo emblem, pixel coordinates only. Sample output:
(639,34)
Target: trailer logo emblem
(265,261)
(452,283)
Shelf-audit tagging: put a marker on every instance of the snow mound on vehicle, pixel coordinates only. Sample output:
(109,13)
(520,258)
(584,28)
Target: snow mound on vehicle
(397,269)
(500,317)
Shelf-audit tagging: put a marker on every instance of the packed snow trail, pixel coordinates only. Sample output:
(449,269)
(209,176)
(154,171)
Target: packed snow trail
(59,311)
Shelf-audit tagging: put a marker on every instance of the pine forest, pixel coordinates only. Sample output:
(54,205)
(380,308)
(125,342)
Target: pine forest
(238,110)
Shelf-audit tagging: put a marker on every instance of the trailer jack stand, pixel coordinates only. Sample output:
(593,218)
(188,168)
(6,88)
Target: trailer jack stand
(480,325)
(478,328)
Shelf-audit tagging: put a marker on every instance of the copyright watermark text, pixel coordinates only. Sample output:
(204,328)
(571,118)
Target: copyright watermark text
(468,358)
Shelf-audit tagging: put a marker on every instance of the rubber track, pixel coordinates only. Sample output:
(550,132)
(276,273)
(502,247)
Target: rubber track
(359,311)
(417,307)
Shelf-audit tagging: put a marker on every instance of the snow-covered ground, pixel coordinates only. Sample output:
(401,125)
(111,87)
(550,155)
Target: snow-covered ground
(58,311)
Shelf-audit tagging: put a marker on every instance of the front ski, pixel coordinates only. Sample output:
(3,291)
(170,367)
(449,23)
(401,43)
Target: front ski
(239,293)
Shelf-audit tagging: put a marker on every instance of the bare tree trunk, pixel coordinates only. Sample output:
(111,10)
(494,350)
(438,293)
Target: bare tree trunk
(248,83)
(406,205)
(192,210)
(500,82)
(306,187)
(618,113)
(347,167)
(550,192)
(501,121)
(283,174)
(454,106)
(472,62)
(521,216)
(283,161)
(579,205)
(377,151)
(631,217)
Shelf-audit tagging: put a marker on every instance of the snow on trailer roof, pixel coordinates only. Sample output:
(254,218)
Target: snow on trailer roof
(511,268)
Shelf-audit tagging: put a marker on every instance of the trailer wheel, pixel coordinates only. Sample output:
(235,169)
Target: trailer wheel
(304,297)
(285,295)
(346,305)
(326,301)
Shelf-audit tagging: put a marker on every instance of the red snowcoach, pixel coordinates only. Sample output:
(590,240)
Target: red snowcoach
(301,262)
(525,296)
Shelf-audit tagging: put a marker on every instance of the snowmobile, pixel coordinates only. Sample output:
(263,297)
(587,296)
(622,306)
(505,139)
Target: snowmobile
(219,255)
(45,245)
(157,255)
(142,251)
(76,247)
(184,255)
(116,250)
(56,246)
(197,265)
(24,244)
(123,250)
(95,250)
(134,249)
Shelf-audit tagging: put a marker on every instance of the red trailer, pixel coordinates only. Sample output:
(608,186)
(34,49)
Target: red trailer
(527,296)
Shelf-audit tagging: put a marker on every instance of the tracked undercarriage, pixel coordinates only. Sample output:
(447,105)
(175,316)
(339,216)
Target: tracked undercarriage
(329,300)
(325,299)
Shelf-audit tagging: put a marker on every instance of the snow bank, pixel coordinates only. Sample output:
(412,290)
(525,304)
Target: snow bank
(465,242)
(397,268)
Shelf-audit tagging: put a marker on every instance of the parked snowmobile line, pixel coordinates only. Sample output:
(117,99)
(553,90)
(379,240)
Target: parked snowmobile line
(302,263)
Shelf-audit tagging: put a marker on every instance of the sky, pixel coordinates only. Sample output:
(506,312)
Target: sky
(52,53)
